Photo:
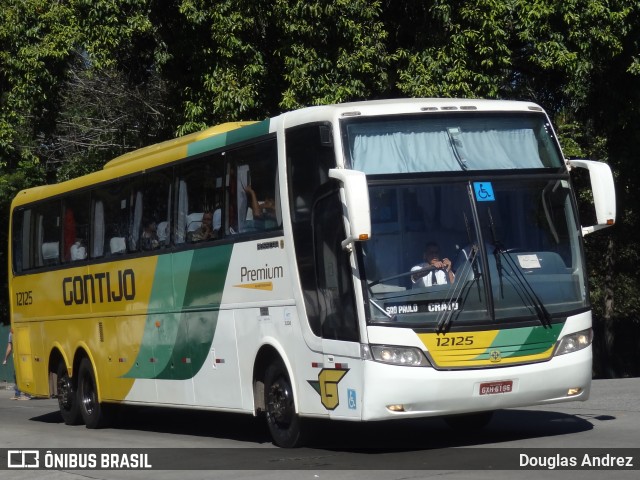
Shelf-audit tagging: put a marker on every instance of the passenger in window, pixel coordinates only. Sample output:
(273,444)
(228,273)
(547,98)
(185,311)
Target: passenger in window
(78,251)
(149,238)
(440,274)
(260,210)
(205,231)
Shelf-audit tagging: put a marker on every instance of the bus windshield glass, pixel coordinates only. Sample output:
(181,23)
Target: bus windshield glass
(450,143)
(466,252)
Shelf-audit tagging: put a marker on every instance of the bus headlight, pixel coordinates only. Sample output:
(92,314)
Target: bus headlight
(395,355)
(574,342)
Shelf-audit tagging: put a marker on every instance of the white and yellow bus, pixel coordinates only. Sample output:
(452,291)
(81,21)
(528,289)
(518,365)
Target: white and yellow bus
(279,267)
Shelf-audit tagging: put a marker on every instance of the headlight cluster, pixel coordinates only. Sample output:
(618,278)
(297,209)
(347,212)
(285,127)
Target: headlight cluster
(395,355)
(574,342)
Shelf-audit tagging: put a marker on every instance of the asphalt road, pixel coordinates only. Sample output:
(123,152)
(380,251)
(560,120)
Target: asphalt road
(238,446)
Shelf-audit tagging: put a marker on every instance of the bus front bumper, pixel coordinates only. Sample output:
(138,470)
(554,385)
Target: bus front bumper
(403,392)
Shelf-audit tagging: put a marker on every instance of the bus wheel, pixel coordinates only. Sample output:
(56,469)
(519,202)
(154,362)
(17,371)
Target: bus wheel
(283,422)
(67,397)
(93,412)
(469,421)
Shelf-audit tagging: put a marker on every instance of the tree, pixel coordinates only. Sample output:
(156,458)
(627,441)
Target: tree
(85,80)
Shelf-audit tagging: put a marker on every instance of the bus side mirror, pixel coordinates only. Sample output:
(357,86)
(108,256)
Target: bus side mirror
(604,193)
(356,199)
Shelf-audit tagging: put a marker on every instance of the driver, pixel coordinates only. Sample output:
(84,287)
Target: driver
(441,274)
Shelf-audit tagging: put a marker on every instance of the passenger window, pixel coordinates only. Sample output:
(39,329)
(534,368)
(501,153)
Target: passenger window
(149,212)
(111,220)
(199,202)
(46,230)
(76,221)
(253,190)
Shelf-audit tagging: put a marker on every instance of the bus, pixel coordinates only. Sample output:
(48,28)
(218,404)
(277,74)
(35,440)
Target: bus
(276,268)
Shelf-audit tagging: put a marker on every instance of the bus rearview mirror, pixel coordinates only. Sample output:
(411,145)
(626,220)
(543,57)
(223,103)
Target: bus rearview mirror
(356,199)
(604,194)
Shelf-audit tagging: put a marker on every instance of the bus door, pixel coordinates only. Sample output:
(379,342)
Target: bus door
(341,379)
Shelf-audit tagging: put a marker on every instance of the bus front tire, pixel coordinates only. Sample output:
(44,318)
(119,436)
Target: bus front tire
(284,423)
(93,412)
(67,397)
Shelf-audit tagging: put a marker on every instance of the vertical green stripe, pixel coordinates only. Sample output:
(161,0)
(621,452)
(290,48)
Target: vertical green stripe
(179,344)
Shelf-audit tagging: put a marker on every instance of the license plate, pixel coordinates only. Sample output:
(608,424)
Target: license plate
(491,388)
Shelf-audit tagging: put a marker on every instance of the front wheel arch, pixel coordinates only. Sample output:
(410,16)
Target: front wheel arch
(285,425)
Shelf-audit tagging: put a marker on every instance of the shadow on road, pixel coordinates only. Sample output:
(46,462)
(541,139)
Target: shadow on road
(389,436)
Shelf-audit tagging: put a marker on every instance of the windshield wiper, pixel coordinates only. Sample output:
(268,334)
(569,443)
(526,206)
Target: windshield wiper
(527,293)
(496,251)
(456,145)
(445,320)
(384,312)
(425,270)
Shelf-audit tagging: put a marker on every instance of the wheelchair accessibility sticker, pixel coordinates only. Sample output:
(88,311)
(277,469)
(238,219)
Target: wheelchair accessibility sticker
(484,191)
(351,395)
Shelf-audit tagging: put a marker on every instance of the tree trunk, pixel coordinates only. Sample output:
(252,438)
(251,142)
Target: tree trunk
(609,328)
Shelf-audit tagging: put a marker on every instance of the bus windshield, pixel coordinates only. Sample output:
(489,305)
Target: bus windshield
(450,143)
(465,252)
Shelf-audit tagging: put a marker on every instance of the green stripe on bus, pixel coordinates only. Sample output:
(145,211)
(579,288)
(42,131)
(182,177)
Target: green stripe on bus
(175,345)
(521,342)
(229,138)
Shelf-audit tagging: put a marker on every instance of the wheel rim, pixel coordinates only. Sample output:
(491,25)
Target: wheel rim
(88,396)
(65,392)
(280,404)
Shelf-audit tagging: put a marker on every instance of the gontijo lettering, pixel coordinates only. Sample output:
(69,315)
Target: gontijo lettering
(99,287)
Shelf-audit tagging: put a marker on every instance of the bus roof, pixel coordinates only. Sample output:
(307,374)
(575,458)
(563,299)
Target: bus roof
(174,148)
(404,106)
(135,161)
(215,137)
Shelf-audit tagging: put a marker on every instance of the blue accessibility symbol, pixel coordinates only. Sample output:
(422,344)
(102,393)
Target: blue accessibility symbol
(351,395)
(484,191)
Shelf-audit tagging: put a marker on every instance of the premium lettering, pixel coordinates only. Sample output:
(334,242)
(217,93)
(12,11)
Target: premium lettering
(99,288)
(260,274)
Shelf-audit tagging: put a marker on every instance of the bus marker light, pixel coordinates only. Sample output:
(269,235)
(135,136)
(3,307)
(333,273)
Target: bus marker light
(395,408)
(158,323)
(574,391)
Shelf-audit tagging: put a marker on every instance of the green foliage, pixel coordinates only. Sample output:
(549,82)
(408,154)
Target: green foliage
(329,52)
(82,81)
(463,51)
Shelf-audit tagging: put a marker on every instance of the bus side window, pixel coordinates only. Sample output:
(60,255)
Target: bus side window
(76,227)
(46,234)
(156,212)
(110,225)
(199,191)
(253,188)
(22,258)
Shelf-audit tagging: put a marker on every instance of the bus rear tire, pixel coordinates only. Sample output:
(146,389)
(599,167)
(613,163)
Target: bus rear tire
(68,402)
(284,423)
(93,412)
(469,421)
